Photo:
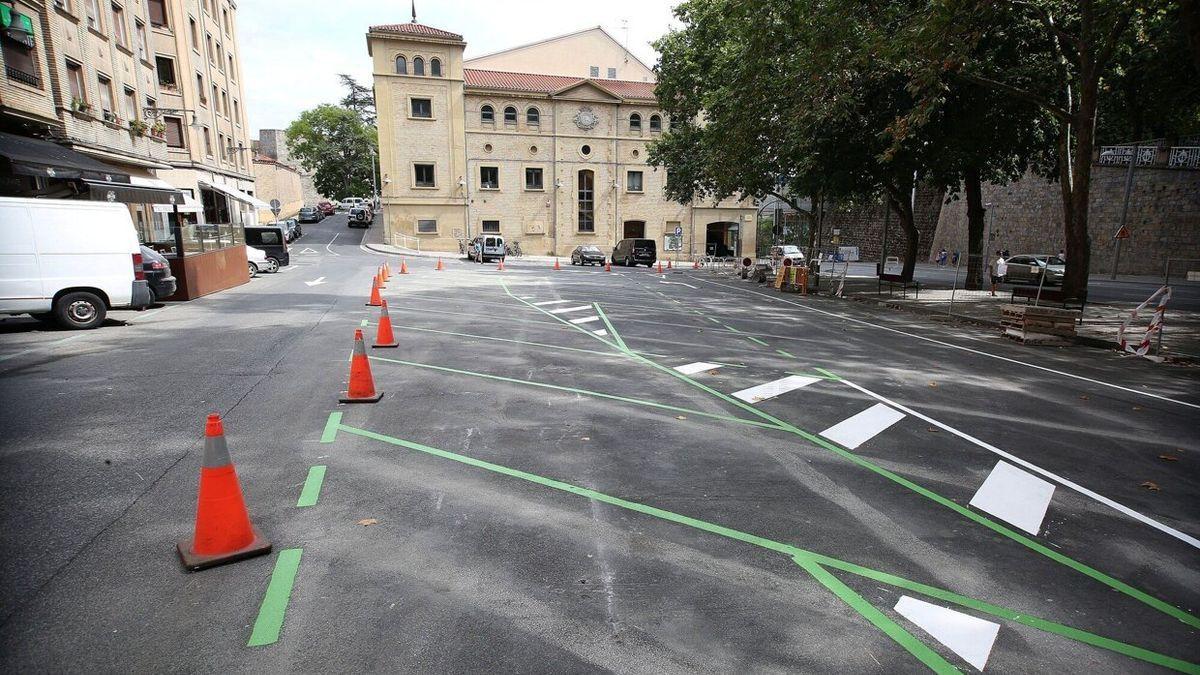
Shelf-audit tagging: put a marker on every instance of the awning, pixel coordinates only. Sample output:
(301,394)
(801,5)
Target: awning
(236,194)
(138,191)
(16,25)
(34,157)
(188,205)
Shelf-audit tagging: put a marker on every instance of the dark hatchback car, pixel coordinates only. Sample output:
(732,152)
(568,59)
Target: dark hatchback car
(310,214)
(587,255)
(269,239)
(630,252)
(158,274)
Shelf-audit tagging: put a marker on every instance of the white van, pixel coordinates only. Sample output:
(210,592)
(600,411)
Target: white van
(348,203)
(69,260)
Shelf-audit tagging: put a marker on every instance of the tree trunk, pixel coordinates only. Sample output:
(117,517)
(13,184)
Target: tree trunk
(976,217)
(1078,243)
(904,213)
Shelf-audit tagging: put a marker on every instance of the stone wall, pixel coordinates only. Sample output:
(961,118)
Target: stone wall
(1026,217)
(863,226)
(273,143)
(274,180)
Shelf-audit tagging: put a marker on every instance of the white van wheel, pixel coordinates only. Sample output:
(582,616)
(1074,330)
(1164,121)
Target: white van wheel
(272,265)
(80,310)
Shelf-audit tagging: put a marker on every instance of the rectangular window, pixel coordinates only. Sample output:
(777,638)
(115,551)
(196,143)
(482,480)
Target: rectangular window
(208,46)
(533,178)
(216,101)
(426,227)
(158,12)
(587,201)
(106,98)
(120,30)
(594,71)
(207,143)
(225,20)
(422,107)
(174,132)
(423,175)
(200,89)
(633,181)
(491,226)
(225,102)
(64,5)
(166,72)
(232,73)
(612,73)
(93,14)
(143,50)
(237,113)
(75,80)
(220,58)
(489,177)
(20,63)
(130,105)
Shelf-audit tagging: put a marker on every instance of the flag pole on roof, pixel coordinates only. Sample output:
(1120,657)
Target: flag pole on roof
(414,11)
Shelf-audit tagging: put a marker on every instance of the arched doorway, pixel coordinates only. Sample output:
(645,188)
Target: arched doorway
(722,238)
(634,229)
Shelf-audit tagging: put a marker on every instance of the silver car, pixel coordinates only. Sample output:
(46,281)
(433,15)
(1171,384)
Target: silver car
(1029,269)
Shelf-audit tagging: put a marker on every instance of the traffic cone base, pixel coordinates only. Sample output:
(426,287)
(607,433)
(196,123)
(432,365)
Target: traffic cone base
(194,562)
(345,398)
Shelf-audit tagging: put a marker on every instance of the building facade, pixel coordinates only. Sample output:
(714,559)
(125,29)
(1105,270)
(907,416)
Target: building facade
(276,180)
(529,148)
(272,144)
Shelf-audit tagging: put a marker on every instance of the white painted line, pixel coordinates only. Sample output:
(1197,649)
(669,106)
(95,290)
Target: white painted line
(549,302)
(970,637)
(564,310)
(960,347)
(862,427)
(1015,496)
(588,319)
(1186,538)
(315,282)
(525,297)
(677,283)
(600,332)
(763,392)
(335,236)
(698,367)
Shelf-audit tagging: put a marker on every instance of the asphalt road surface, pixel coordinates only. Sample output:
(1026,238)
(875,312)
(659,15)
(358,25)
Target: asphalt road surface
(588,471)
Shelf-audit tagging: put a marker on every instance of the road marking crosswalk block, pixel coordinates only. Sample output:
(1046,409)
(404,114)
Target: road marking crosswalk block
(772,389)
(565,310)
(970,637)
(1015,496)
(698,367)
(549,302)
(600,332)
(586,319)
(864,426)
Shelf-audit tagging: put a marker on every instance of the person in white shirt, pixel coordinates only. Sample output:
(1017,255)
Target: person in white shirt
(999,270)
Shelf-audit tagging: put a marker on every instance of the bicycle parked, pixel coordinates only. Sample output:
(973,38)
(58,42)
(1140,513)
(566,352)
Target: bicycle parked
(513,248)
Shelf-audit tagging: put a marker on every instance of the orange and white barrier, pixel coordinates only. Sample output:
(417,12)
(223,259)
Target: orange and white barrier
(1162,295)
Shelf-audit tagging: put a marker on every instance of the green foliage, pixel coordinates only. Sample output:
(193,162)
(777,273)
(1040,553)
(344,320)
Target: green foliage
(359,98)
(335,144)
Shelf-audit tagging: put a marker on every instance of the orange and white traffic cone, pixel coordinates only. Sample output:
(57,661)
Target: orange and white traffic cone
(607,266)
(375,299)
(361,388)
(695,264)
(379,278)
(660,269)
(223,532)
(384,336)
(387,271)
(668,264)
(557,267)
(403,267)
(439,267)
(500,267)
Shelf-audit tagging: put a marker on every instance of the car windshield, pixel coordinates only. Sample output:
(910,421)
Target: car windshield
(589,249)
(790,249)
(1052,260)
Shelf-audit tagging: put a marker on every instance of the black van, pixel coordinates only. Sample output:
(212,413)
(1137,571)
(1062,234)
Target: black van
(629,252)
(269,239)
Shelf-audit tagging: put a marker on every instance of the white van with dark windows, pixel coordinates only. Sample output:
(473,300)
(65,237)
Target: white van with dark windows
(69,260)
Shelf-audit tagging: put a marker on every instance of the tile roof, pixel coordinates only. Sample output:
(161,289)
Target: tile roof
(548,84)
(417,29)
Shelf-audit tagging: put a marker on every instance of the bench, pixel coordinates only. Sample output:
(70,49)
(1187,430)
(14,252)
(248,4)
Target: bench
(1049,295)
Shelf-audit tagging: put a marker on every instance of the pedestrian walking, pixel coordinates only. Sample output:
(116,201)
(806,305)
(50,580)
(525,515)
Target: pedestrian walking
(955,258)
(999,270)
(941,257)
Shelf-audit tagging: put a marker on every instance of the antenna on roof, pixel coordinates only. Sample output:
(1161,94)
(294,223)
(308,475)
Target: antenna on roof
(625,27)
(414,11)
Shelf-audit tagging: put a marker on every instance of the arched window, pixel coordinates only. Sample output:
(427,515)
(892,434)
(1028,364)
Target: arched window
(418,65)
(635,122)
(487,114)
(533,117)
(587,201)
(655,123)
(401,65)
(435,67)
(510,115)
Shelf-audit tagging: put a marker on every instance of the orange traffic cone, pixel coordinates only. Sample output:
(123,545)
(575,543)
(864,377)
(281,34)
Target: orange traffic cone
(557,267)
(439,267)
(500,267)
(387,271)
(384,336)
(403,267)
(375,299)
(607,266)
(695,264)
(362,386)
(379,279)
(668,264)
(223,532)
(660,270)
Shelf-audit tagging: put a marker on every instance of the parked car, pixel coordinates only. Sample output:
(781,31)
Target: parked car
(291,228)
(486,247)
(587,255)
(348,203)
(69,260)
(793,253)
(631,252)
(158,274)
(359,216)
(1029,268)
(310,214)
(327,207)
(258,261)
(270,239)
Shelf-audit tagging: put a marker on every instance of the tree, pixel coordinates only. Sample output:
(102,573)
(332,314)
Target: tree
(359,98)
(336,145)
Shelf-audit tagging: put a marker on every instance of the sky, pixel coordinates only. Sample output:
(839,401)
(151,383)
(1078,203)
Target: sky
(291,58)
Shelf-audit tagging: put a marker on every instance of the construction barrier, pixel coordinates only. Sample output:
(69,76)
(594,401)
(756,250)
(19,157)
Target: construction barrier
(1162,295)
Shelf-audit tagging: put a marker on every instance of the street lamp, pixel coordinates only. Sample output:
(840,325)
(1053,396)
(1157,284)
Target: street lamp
(155,113)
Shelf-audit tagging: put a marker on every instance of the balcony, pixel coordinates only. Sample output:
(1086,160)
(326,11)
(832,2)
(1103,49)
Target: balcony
(22,77)
(1153,153)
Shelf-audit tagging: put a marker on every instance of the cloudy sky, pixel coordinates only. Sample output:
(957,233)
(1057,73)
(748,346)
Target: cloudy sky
(291,58)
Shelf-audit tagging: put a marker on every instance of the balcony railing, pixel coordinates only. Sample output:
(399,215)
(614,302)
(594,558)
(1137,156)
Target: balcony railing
(1183,157)
(1118,155)
(22,76)
(1153,153)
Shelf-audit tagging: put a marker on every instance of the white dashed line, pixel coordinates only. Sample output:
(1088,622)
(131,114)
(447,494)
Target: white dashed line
(763,392)
(862,427)
(549,302)
(564,310)
(587,319)
(1015,496)
(698,367)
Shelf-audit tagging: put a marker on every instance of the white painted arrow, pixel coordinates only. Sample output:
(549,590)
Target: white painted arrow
(315,282)
(677,283)
(308,251)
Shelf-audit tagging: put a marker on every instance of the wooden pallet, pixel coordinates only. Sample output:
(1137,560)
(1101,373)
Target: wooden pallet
(1042,321)
(1028,338)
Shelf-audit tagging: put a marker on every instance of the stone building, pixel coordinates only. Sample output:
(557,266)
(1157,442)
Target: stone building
(543,143)
(272,144)
(276,180)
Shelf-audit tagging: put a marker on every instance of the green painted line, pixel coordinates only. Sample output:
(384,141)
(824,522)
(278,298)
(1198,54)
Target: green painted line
(612,331)
(787,354)
(312,486)
(799,555)
(576,390)
(331,427)
(711,319)
(594,352)
(730,327)
(756,341)
(559,319)
(828,374)
(275,601)
(905,639)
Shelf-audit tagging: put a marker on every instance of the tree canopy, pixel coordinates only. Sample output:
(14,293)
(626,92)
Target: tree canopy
(335,144)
